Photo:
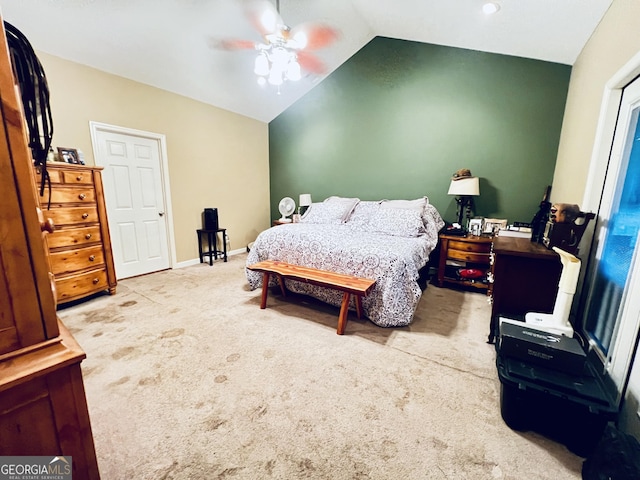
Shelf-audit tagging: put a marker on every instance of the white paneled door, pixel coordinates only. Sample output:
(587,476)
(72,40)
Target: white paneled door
(135,197)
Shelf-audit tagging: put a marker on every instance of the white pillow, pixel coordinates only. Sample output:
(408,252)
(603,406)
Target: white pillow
(362,213)
(431,216)
(326,213)
(417,204)
(400,222)
(348,203)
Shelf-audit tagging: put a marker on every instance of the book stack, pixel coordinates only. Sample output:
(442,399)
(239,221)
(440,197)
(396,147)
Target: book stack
(517,229)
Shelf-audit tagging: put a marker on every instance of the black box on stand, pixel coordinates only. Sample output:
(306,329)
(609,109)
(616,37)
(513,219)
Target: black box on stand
(210,219)
(553,351)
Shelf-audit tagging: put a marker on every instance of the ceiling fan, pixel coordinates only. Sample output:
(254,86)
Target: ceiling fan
(284,52)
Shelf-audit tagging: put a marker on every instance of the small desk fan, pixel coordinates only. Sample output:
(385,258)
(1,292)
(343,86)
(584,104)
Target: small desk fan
(286,206)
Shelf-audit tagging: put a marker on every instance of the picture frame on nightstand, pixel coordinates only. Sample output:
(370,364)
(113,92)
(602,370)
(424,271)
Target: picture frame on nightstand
(475,226)
(493,225)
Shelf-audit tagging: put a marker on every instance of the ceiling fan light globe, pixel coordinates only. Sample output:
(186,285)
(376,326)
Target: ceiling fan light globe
(301,40)
(269,20)
(280,57)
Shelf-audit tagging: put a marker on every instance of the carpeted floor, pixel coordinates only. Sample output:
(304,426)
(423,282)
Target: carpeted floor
(186,378)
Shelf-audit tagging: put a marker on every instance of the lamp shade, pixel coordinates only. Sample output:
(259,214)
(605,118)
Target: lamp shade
(305,199)
(465,187)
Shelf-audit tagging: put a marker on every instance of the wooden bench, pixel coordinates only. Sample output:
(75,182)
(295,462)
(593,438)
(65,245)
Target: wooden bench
(348,284)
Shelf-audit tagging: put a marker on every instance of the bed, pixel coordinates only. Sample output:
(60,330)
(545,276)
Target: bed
(388,240)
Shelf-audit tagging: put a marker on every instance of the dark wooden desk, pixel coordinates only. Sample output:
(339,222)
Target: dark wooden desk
(525,279)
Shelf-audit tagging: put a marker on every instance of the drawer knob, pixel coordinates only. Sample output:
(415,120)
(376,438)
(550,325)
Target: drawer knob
(82,196)
(87,236)
(92,258)
(45,225)
(48,226)
(79,178)
(95,280)
(85,215)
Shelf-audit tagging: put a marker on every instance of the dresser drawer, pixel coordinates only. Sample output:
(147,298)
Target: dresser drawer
(77,259)
(72,195)
(468,256)
(74,237)
(54,175)
(76,177)
(470,246)
(72,215)
(76,286)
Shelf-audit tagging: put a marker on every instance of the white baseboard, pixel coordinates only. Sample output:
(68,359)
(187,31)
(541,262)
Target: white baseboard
(195,261)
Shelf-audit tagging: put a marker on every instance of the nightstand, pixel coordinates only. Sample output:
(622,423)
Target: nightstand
(464,252)
(280,222)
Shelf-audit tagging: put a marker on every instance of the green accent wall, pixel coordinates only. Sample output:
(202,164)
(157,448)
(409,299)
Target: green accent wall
(399,118)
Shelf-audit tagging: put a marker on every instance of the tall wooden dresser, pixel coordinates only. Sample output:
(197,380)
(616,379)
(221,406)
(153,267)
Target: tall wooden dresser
(80,246)
(43,410)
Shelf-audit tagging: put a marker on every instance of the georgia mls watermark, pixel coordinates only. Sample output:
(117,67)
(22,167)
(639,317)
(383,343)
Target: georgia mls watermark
(35,468)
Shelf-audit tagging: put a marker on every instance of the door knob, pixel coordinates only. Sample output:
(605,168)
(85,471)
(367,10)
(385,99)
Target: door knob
(161,214)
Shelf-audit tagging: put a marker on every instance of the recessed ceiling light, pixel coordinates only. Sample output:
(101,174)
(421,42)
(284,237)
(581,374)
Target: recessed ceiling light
(490,8)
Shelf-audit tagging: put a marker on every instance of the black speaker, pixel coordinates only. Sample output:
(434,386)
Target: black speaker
(210,219)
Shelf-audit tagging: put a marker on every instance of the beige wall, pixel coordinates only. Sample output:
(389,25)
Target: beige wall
(216,158)
(614,42)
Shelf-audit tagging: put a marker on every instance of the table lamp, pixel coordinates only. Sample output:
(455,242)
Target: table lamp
(304,201)
(465,187)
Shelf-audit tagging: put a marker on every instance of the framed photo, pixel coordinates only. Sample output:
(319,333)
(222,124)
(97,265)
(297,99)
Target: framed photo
(492,225)
(69,155)
(475,226)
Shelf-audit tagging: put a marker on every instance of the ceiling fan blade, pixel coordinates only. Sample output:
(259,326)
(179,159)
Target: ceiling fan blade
(264,17)
(231,44)
(238,45)
(313,36)
(310,63)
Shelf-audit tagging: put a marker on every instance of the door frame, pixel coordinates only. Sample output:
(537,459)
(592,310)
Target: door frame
(605,130)
(161,139)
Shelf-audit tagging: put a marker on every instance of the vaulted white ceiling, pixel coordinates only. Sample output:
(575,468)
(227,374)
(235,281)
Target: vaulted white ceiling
(166,43)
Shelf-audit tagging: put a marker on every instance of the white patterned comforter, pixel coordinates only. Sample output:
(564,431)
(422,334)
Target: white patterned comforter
(393,261)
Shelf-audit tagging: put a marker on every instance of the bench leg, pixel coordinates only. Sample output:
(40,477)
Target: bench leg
(265,290)
(344,311)
(359,306)
(282,287)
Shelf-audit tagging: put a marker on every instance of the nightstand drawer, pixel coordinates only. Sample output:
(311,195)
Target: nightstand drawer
(469,246)
(468,256)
